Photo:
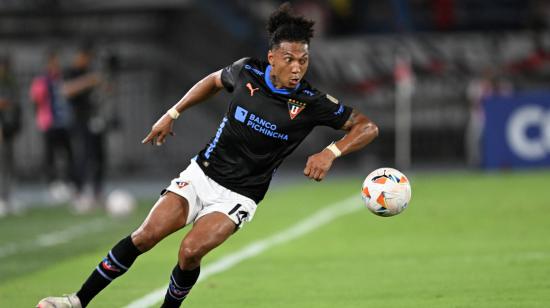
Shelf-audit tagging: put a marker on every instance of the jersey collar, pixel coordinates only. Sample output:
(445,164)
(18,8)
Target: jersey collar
(272,87)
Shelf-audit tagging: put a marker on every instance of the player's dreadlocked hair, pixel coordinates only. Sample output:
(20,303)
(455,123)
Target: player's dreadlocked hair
(283,25)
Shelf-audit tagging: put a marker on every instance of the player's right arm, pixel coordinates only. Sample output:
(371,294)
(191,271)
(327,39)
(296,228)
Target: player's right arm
(200,92)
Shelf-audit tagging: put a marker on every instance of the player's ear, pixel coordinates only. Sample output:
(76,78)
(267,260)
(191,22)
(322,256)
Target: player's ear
(270,57)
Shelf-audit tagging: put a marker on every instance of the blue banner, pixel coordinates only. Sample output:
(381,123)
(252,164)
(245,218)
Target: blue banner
(516,131)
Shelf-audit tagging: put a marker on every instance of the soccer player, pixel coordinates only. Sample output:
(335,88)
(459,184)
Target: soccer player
(272,110)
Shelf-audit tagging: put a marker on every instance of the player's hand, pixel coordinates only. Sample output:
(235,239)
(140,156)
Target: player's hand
(318,165)
(159,131)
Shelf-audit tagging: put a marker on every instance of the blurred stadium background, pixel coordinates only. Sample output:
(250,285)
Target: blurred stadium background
(164,46)
(459,87)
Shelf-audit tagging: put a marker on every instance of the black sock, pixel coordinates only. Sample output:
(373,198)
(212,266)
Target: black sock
(181,283)
(116,263)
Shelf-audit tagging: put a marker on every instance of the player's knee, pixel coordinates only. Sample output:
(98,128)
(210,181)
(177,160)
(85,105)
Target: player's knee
(145,238)
(190,256)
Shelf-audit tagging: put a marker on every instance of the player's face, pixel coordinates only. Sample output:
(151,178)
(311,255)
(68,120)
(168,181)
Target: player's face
(289,61)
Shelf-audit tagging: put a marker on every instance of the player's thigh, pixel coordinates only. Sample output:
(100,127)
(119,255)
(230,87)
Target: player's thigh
(168,215)
(207,233)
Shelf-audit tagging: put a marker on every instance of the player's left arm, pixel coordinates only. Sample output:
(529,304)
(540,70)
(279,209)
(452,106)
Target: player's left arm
(360,132)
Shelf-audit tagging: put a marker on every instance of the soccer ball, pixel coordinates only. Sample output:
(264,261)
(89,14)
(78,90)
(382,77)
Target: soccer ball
(120,203)
(386,192)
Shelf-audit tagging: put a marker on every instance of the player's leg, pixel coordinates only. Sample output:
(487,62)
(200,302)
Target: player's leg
(167,216)
(208,232)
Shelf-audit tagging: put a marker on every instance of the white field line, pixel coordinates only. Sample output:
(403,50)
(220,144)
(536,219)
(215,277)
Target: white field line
(53,238)
(318,219)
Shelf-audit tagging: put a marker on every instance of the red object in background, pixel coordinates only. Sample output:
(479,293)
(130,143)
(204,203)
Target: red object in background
(403,73)
(444,14)
(534,61)
(436,66)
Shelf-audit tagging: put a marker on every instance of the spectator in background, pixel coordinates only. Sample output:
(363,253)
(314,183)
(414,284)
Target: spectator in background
(487,84)
(53,119)
(88,127)
(316,11)
(10,123)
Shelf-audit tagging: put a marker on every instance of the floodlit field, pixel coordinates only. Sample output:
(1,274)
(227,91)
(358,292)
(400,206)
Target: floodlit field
(467,240)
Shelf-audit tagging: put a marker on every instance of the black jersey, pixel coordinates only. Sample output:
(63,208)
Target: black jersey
(262,126)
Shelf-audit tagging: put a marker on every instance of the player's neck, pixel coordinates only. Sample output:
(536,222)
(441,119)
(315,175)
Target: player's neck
(275,81)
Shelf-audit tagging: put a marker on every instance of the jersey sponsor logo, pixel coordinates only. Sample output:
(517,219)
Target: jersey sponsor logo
(240,114)
(251,89)
(258,124)
(295,107)
(332,98)
(265,127)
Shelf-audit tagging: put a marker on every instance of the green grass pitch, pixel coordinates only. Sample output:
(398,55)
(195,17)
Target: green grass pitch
(467,240)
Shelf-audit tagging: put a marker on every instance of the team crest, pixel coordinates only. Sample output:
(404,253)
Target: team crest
(295,107)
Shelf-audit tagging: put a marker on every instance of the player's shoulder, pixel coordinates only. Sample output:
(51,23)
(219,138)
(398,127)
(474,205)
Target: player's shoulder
(313,95)
(250,61)
(249,65)
(254,66)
